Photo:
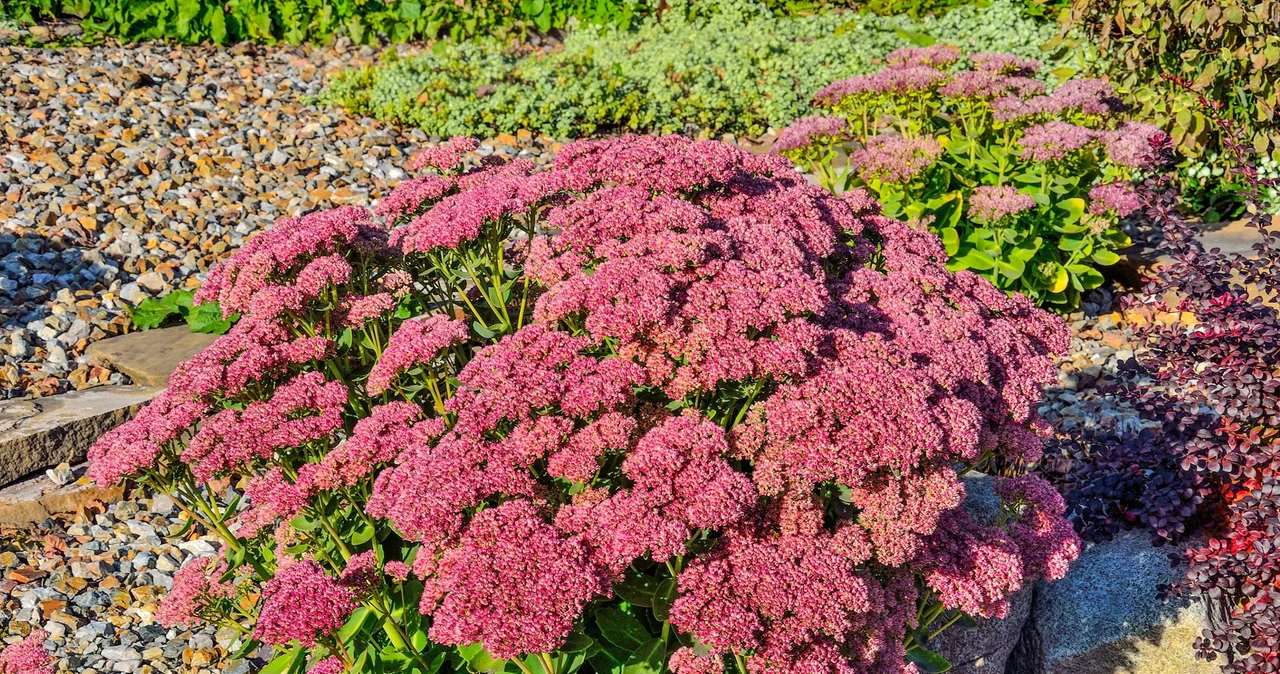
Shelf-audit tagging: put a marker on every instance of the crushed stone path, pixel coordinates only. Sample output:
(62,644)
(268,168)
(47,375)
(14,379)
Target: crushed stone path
(127,171)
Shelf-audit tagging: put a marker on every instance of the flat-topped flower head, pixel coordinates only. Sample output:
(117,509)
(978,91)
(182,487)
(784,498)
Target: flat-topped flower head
(289,244)
(514,585)
(894,159)
(447,156)
(417,341)
(993,204)
(806,131)
(1005,64)
(302,603)
(1055,140)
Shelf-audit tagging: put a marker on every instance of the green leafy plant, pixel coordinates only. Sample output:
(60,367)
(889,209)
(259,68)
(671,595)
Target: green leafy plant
(179,307)
(1024,188)
(1228,49)
(664,76)
(298,21)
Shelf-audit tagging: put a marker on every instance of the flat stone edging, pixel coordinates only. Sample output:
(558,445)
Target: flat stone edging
(34,500)
(38,433)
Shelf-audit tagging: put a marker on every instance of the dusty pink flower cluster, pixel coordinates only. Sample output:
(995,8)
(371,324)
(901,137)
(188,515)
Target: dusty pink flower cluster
(808,130)
(891,159)
(721,277)
(301,602)
(715,352)
(992,204)
(195,586)
(27,656)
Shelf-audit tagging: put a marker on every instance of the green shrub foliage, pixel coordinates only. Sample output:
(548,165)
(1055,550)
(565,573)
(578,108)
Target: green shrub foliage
(730,68)
(298,21)
(1228,49)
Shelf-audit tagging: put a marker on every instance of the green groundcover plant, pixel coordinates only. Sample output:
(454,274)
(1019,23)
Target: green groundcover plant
(729,67)
(664,407)
(317,21)
(1024,187)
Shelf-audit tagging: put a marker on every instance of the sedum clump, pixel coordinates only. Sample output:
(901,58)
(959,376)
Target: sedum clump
(730,67)
(666,406)
(1025,186)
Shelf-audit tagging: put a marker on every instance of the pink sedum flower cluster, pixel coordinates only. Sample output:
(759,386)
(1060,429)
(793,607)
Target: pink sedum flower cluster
(302,603)
(700,351)
(27,656)
(993,204)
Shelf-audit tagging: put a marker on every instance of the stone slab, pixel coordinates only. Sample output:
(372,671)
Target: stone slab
(1105,615)
(149,356)
(38,433)
(32,501)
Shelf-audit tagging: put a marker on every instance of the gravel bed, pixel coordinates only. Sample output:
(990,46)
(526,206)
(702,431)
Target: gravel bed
(94,583)
(127,171)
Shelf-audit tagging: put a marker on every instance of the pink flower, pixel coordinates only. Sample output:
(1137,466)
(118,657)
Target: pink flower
(1054,140)
(807,131)
(138,444)
(303,410)
(894,159)
(461,218)
(1045,538)
(1132,145)
(356,310)
(1005,64)
(302,603)
(513,584)
(532,369)
(988,85)
(27,656)
(670,164)
(972,567)
(446,156)
(275,498)
(377,439)
(681,483)
(194,587)
(1117,198)
(287,245)
(787,588)
(330,665)
(685,661)
(254,350)
(993,204)
(416,341)
(397,571)
(411,196)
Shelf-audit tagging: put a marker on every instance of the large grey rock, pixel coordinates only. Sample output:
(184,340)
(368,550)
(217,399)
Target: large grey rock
(1105,617)
(39,433)
(148,357)
(985,649)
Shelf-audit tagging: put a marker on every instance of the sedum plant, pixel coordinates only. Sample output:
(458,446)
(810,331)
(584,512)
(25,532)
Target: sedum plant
(664,407)
(1024,187)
